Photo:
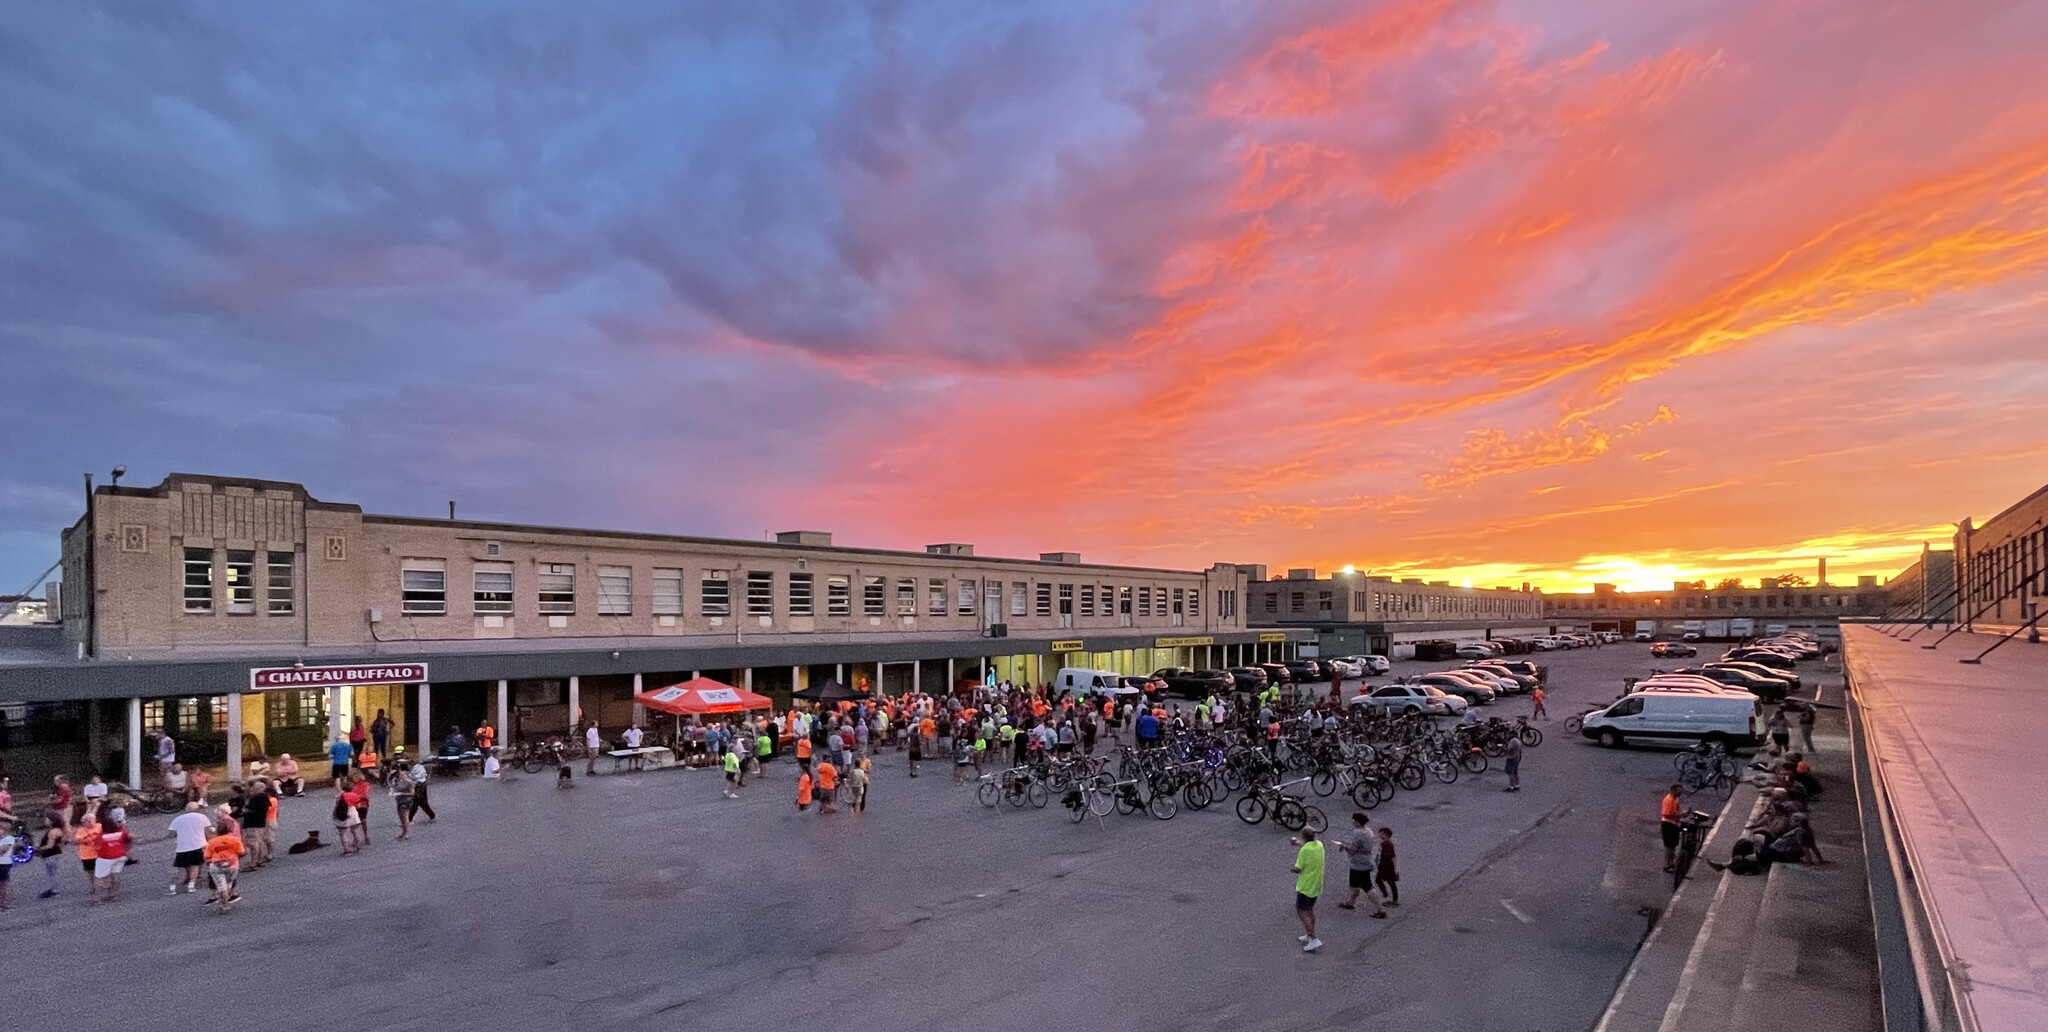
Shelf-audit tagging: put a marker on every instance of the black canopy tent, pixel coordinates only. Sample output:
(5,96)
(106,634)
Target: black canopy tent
(830,691)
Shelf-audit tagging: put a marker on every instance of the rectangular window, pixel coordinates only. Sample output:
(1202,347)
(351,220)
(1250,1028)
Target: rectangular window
(1020,598)
(1159,600)
(1044,599)
(716,593)
(241,580)
(423,587)
(965,599)
(557,589)
(760,593)
(994,601)
(935,597)
(906,596)
(1194,601)
(199,580)
(1180,604)
(614,591)
(279,597)
(1066,600)
(874,596)
(800,598)
(491,594)
(1297,601)
(668,592)
(1087,600)
(838,596)
(1144,601)
(1123,600)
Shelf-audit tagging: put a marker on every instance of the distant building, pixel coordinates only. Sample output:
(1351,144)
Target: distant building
(1356,613)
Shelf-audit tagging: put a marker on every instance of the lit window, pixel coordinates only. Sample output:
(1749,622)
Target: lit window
(557,584)
(423,587)
(278,595)
(668,592)
(491,590)
(800,598)
(241,572)
(614,591)
(716,589)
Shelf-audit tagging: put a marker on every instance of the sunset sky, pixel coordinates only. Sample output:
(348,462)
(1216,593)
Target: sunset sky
(1551,291)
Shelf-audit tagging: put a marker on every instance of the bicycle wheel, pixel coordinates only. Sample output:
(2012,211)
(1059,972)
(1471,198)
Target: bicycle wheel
(1036,795)
(1197,795)
(988,793)
(1366,795)
(1386,789)
(1015,792)
(1531,737)
(532,764)
(1101,797)
(1724,785)
(1127,802)
(1473,761)
(1290,814)
(1411,776)
(1445,771)
(1233,779)
(1494,747)
(1076,805)
(1322,783)
(1251,809)
(1318,822)
(1162,806)
(1572,724)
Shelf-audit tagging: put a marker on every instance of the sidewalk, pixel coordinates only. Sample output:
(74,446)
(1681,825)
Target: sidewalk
(1790,951)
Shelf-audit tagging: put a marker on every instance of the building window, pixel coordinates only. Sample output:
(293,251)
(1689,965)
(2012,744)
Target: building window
(1159,600)
(1180,604)
(1066,600)
(1087,600)
(1226,603)
(1144,601)
(1123,600)
(935,597)
(906,596)
(1297,601)
(278,595)
(668,592)
(966,599)
(491,593)
(423,587)
(838,596)
(241,580)
(716,590)
(295,709)
(1272,605)
(153,709)
(800,603)
(614,591)
(874,600)
(994,603)
(557,584)
(1020,598)
(1044,599)
(760,593)
(1194,601)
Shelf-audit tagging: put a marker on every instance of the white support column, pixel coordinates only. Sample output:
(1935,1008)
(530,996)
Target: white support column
(334,724)
(951,677)
(917,675)
(639,711)
(234,702)
(426,721)
(575,705)
(134,743)
(504,711)
(839,672)
(747,679)
(795,678)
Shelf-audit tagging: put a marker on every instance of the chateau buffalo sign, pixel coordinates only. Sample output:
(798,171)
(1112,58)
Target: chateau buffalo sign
(271,678)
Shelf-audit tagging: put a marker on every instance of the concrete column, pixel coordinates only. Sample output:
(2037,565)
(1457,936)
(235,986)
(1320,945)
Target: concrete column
(426,719)
(334,725)
(504,711)
(796,678)
(747,679)
(134,743)
(917,675)
(639,711)
(234,702)
(575,705)
(951,677)
(839,672)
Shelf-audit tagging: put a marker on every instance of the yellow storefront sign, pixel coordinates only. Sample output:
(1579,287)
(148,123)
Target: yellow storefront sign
(1174,643)
(1068,646)
(1271,636)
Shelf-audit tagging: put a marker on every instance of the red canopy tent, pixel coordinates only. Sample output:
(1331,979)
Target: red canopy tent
(702,695)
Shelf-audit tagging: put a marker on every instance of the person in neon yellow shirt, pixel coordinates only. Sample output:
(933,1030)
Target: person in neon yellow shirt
(1308,886)
(732,773)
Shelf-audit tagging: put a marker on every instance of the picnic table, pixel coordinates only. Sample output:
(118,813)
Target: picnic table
(641,758)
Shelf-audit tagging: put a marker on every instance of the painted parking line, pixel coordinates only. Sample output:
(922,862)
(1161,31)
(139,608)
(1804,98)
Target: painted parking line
(1519,916)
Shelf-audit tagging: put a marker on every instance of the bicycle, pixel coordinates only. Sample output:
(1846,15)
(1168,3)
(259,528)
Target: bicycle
(23,849)
(1701,778)
(1692,834)
(1287,811)
(146,800)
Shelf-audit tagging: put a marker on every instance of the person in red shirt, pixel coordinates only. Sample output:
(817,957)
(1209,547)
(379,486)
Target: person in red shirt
(114,841)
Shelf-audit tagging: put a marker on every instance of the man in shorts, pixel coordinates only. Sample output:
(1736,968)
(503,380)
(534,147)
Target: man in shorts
(732,774)
(1363,847)
(339,756)
(190,829)
(1308,887)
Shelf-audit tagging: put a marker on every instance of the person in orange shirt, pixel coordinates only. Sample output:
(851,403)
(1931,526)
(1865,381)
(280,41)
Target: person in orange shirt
(86,836)
(1536,697)
(803,752)
(828,784)
(223,855)
(803,791)
(1668,823)
(486,737)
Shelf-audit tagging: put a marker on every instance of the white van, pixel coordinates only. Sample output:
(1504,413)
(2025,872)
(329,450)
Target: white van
(1682,717)
(1082,680)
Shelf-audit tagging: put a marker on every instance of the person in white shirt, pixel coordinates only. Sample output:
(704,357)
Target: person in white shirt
(491,765)
(633,737)
(95,792)
(190,829)
(592,742)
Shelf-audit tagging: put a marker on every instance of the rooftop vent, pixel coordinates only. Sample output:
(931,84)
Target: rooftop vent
(1059,557)
(814,538)
(1301,575)
(949,548)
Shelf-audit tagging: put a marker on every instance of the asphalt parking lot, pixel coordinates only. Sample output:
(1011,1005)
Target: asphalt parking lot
(648,900)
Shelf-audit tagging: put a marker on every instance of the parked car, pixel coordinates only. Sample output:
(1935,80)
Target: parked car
(1248,678)
(1767,657)
(1193,684)
(1440,648)
(1342,666)
(1411,698)
(1674,648)
(1472,690)
(1677,717)
(1144,684)
(1527,668)
(1376,665)
(1306,671)
(1791,679)
(1520,682)
(1769,689)
(1276,673)
(1474,650)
